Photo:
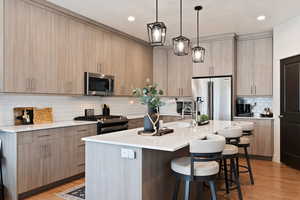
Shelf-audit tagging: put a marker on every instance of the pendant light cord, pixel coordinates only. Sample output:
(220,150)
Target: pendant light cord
(198,28)
(180,17)
(156,10)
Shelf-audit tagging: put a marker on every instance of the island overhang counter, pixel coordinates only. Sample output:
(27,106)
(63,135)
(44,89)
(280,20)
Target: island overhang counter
(127,166)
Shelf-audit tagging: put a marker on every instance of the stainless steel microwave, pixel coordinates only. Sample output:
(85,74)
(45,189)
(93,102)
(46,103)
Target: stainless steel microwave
(98,84)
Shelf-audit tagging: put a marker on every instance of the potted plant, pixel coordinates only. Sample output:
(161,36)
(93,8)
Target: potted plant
(150,96)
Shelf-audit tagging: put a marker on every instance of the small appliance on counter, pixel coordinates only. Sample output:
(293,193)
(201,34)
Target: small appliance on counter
(105,110)
(89,112)
(267,113)
(107,124)
(184,106)
(243,109)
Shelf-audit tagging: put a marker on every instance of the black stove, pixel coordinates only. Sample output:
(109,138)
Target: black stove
(107,124)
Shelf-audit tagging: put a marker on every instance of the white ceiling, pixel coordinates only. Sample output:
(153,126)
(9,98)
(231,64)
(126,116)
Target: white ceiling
(218,16)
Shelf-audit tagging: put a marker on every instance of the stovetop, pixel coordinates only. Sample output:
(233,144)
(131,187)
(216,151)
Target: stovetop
(103,119)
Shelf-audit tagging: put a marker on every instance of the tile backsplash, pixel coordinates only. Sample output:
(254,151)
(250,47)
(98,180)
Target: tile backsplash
(65,108)
(261,103)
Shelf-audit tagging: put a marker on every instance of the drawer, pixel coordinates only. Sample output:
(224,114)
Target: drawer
(24,138)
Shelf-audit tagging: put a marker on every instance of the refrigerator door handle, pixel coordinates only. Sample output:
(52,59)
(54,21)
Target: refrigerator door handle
(212,100)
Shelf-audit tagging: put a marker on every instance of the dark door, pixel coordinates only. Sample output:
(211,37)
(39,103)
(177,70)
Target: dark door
(290,111)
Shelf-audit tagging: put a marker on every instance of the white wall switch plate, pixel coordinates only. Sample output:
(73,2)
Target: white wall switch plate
(128,153)
(124,153)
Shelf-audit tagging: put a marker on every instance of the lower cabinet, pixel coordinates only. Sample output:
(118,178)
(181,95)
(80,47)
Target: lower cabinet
(47,156)
(262,140)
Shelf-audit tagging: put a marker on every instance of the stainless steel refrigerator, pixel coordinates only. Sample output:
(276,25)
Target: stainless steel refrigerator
(214,95)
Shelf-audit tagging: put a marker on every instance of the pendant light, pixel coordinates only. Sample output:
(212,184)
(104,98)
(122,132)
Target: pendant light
(181,44)
(157,31)
(198,53)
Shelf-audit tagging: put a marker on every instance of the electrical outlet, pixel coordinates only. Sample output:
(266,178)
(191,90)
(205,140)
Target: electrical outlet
(128,153)
(124,153)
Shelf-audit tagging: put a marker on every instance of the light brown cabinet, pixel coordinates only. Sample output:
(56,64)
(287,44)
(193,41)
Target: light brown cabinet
(179,74)
(262,141)
(47,51)
(47,156)
(219,57)
(160,68)
(254,65)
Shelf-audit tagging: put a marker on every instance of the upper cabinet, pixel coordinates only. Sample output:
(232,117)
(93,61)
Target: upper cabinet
(219,56)
(254,65)
(172,73)
(160,68)
(47,51)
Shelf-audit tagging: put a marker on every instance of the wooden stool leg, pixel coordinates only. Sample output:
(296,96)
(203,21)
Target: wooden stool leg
(213,190)
(226,176)
(176,190)
(237,179)
(249,165)
(187,190)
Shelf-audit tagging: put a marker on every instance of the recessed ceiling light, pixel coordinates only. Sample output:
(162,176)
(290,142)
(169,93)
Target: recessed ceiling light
(131,18)
(261,18)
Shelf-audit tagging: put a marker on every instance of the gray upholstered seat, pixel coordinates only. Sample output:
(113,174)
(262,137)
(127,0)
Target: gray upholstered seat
(183,166)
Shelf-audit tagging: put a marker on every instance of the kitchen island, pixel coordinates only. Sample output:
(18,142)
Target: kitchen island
(127,166)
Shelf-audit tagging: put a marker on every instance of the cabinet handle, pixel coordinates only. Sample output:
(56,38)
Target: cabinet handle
(81,145)
(43,136)
(27,84)
(255,89)
(33,84)
(251,89)
(82,130)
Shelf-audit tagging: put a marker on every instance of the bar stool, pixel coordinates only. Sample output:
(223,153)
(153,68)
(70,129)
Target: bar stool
(201,166)
(244,143)
(231,153)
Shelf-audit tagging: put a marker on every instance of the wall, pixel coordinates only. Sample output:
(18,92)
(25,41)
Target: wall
(66,107)
(261,104)
(286,44)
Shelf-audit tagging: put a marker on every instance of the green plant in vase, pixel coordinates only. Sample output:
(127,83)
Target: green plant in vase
(150,96)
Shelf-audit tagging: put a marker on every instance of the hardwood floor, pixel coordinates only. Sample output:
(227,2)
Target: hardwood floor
(272,182)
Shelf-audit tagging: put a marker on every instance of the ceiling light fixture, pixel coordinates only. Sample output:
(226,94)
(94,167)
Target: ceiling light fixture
(181,44)
(198,53)
(131,18)
(157,31)
(261,18)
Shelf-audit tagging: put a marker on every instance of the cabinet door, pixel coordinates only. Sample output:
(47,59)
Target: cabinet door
(61,36)
(160,69)
(119,64)
(205,68)
(74,75)
(245,57)
(223,57)
(174,76)
(90,50)
(186,75)
(106,54)
(263,64)
(43,71)
(17,60)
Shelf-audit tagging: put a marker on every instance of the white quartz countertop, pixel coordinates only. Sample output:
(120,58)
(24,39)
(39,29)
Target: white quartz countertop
(254,117)
(170,142)
(24,128)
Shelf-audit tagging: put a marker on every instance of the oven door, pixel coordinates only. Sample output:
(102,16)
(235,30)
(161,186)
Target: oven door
(98,84)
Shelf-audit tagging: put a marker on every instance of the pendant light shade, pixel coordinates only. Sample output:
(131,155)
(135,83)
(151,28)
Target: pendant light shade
(181,44)
(198,53)
(157,31)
